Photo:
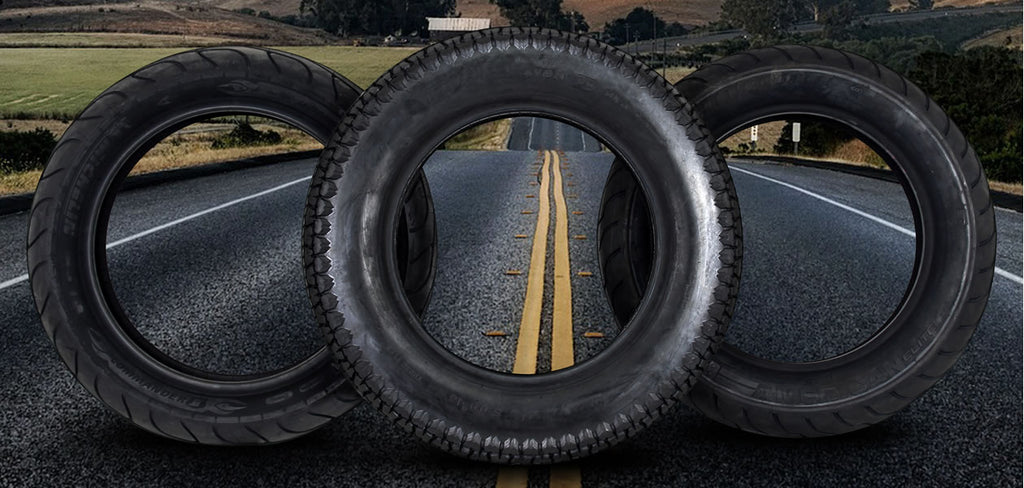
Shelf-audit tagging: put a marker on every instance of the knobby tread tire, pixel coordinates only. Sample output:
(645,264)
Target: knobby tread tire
(369,370)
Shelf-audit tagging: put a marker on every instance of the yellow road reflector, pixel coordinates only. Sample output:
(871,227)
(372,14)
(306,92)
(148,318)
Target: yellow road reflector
(585,274)
(565,476)
(580,237)
(593,335)
(522,236)
(531,196)
(570,184)
(513,272)
(527,212)
(513,477)
(577,212)
(534,183)
(495,333)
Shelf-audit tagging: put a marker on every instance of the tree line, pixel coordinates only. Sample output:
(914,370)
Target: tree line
(408,18)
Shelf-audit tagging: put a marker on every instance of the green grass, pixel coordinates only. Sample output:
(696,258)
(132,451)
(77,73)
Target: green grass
(57,83)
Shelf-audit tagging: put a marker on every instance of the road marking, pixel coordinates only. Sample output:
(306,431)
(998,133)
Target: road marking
(533,124)
(529,325)
(23,278)
(9,283)
(586,274)
(528,341)
(561,329)
(878,220)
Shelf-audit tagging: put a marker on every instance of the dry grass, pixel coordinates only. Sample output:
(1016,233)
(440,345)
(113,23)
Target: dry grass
(767,136)
(17,183)
(673,75)
(107,39)
(857,153)
(186,149)
(904,4)
(57,127)
(1011,188)
(1008,38)
(492,136)
(193,149)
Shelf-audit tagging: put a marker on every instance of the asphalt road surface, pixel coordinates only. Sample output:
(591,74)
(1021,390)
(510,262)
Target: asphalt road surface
(223,289)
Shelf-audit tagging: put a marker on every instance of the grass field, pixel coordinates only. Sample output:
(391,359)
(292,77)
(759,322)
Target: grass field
(57,83)
(106,39)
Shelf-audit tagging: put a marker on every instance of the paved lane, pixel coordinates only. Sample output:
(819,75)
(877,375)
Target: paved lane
(813,271)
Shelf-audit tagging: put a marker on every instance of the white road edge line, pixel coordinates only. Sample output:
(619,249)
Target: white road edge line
(533,124)
(999,271)
(24,278)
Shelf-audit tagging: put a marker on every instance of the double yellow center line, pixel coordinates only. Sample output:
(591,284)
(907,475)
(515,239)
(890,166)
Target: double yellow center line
(562,355)
(528,343)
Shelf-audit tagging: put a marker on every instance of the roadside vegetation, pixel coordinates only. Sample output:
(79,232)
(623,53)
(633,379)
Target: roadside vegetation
(23,154)
(492,136)
(971,65)
(979,84)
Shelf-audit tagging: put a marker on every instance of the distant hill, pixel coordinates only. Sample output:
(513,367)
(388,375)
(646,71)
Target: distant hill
(189,18)
(275,7)
(687,12)
(218,18)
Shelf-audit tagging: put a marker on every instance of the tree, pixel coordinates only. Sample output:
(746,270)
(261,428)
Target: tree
(376,17)
(539,13)
(578,23)
(817,8)
(837,16)
(767,19)
(980,90)
(921,4)
(639,25)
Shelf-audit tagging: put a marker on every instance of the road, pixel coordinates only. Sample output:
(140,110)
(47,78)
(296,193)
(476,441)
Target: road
(223,289)
(809,27)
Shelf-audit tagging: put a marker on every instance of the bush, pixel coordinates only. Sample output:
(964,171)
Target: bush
(244,135)
(981,91)
(25,151)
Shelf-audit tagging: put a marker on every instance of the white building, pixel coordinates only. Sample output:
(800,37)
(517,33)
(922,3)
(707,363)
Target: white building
(444,27)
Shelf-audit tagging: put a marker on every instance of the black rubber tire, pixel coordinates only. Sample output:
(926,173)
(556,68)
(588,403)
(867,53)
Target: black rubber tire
(955,261)
(67,256)
(397,366)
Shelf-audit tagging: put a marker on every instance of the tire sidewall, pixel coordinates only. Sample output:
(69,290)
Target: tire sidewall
(945,222)
(93,156)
